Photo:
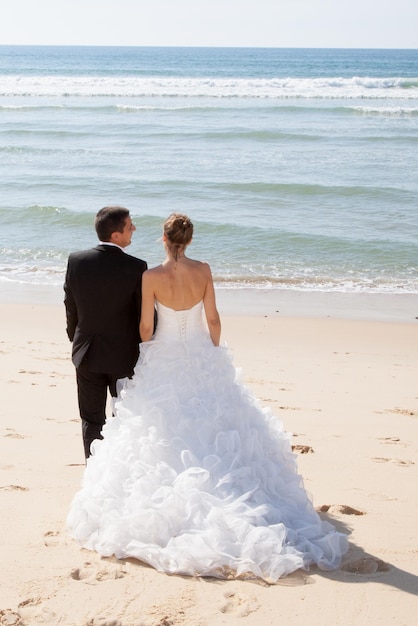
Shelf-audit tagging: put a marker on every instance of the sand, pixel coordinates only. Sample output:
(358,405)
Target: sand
(342,378)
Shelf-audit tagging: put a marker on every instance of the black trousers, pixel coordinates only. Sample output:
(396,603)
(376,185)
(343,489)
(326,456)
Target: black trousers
(92,390)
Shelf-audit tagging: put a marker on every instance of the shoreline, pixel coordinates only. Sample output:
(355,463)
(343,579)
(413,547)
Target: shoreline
(388,307)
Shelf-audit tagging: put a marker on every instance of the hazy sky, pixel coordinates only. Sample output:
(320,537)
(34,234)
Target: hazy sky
(271,23)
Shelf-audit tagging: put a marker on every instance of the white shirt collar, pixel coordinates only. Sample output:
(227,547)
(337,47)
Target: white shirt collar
(109,243)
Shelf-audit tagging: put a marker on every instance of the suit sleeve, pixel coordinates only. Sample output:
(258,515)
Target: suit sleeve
(70,306)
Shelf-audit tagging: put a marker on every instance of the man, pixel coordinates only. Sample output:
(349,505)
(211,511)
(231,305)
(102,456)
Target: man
(103,304)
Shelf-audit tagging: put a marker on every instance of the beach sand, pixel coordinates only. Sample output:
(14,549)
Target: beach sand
(345,384)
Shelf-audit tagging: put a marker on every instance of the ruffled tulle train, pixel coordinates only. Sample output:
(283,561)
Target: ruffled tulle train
(194,477)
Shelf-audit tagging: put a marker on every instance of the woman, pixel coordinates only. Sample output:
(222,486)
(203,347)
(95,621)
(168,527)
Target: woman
(192,475)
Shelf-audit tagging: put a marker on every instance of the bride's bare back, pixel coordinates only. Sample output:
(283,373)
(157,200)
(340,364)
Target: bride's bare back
(179,284)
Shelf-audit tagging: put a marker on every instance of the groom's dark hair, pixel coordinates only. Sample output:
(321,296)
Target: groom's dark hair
(109,220)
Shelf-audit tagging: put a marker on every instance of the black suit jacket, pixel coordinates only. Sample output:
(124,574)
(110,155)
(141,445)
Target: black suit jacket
(103,304)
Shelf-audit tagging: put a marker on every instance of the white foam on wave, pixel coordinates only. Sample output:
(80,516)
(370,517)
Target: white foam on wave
(129,108)
(85,86)
(387,111)
(53,275)
(326,286)
(19,107)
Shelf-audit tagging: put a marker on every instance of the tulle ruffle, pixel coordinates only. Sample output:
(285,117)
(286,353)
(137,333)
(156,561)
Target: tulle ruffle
(194,477)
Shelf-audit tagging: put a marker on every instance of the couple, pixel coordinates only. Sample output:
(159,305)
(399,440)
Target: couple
(191,475)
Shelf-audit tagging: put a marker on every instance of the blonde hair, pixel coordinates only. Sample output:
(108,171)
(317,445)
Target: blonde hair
(178,229)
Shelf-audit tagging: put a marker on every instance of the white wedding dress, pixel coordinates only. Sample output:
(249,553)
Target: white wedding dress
(193,476)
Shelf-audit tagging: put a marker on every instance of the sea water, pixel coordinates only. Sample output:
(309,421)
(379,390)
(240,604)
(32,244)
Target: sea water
(298,167)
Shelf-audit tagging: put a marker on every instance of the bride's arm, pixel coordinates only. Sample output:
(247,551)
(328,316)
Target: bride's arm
(146,325)
(211,312)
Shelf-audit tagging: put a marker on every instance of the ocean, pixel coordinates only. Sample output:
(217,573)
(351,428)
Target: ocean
(298,167)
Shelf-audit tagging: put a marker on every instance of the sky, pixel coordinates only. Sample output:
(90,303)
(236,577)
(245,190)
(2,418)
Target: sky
(252,23)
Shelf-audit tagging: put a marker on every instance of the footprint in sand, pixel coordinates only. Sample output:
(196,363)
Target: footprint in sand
(32,612)
(289,408)
(10,618)
(13,488)
(390,440)
(90,574)
(302,449)
(165,621)
(339,508)
(100,622)
(14,435)
(238,605)
(404,463)
(52,538)
(173,611)
(382,459)
(365,565)
(401,411)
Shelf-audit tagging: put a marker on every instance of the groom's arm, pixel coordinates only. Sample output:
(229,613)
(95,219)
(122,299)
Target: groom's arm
(70,306)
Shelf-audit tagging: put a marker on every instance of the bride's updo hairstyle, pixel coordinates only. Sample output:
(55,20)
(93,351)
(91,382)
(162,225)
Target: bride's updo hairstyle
(178,230)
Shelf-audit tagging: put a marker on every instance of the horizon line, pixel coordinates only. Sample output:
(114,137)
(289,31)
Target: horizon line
(190,46)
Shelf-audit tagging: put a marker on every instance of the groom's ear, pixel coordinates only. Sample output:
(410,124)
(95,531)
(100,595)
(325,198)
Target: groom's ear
(114,237)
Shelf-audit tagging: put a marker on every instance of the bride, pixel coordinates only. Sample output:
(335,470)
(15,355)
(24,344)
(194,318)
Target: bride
(192,476)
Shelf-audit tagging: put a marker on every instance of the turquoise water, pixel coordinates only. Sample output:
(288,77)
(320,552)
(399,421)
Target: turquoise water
(298,167)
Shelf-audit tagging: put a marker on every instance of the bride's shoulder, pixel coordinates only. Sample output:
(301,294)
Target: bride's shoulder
(151,276)
(201,265)
(152,271)
(203,271)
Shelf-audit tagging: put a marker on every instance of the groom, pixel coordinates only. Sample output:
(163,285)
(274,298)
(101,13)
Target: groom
(103,305)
